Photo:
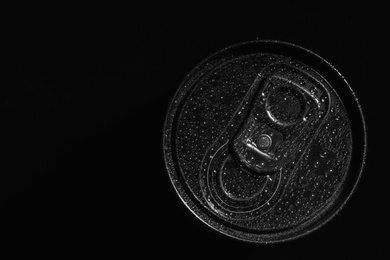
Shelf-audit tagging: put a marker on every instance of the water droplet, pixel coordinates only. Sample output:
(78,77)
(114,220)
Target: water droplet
(327,126)
(307,115)
(301,179)
(316,164)
(328,172)
(324,154)
(320,113)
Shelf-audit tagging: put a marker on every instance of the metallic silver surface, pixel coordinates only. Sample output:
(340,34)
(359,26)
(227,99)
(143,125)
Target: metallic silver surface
(258,141)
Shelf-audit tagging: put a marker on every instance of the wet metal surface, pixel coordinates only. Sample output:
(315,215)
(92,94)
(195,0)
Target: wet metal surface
(258,142)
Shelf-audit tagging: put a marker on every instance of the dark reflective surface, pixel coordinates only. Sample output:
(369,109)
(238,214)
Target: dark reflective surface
(83,104)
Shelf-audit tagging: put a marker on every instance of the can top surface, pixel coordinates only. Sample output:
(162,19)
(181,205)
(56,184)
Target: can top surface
(264,141)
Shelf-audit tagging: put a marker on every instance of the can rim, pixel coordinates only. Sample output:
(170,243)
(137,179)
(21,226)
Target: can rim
(201,214)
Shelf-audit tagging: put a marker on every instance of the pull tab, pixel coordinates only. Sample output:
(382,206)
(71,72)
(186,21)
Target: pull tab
(256,148)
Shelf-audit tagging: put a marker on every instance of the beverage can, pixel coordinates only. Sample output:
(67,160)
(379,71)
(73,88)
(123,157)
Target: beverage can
(264,141)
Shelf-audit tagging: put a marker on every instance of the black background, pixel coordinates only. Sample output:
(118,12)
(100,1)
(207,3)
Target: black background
(83,101)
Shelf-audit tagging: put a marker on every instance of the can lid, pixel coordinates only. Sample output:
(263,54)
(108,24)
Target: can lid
(258,141)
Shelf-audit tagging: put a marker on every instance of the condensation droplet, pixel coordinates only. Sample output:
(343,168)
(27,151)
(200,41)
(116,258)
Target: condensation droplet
(316,164)
(301,179)
(324,154)
(321,113)
(328,172)
(327,126)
